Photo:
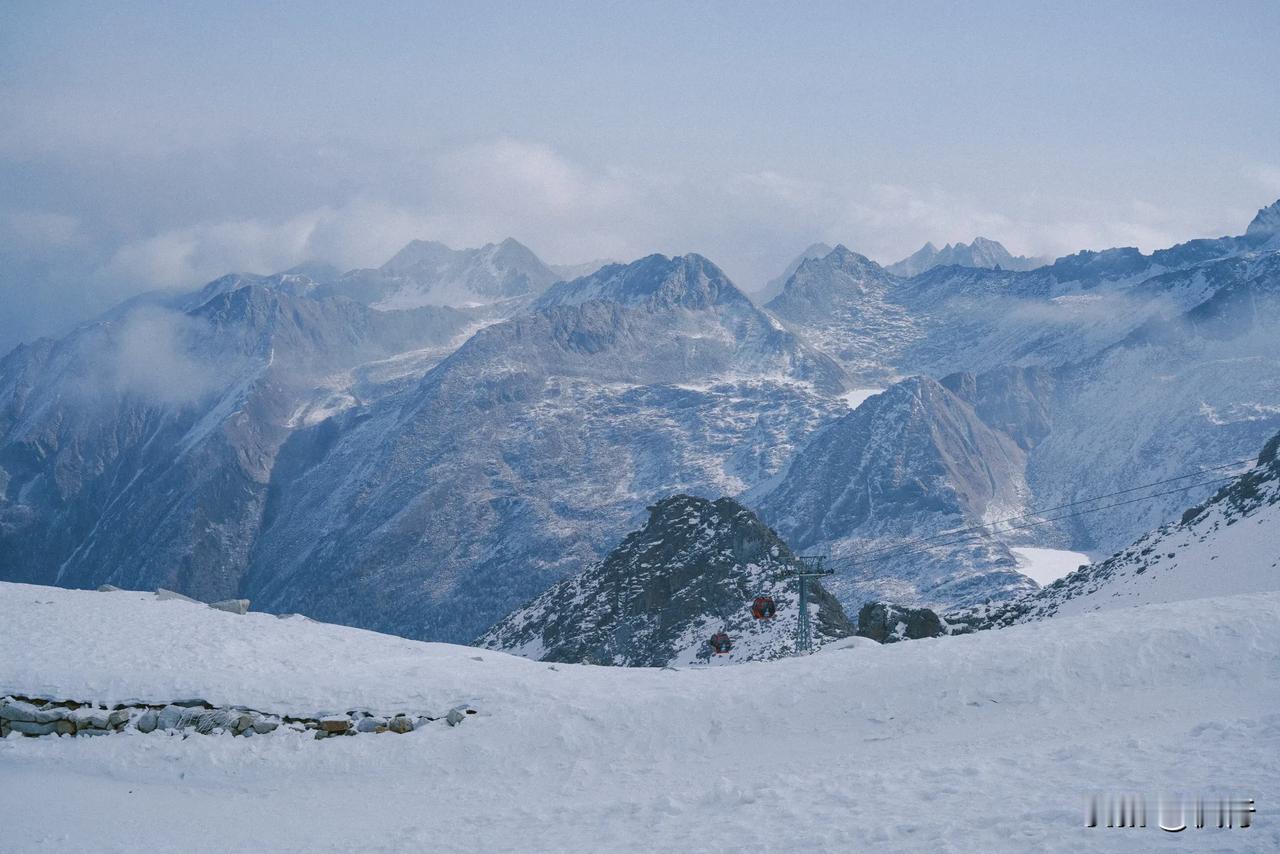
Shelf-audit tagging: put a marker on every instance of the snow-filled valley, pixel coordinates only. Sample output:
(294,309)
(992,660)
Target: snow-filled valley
(1044,566)
(988,742)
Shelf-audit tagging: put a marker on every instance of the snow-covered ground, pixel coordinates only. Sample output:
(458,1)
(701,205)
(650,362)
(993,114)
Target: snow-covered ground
(1046,566)
(855,397)
(988,742)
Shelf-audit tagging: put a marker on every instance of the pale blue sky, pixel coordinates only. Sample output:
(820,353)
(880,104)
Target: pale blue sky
(147,145)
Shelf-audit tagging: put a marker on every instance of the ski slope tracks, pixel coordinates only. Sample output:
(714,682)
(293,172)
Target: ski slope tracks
(986,742)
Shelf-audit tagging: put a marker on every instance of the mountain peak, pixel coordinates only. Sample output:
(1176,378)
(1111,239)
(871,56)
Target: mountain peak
(774,286)
(819,281)
(692,570)
(914,458)
(844,256)
(427,272)
(416,252)
(510,247)
(687,281)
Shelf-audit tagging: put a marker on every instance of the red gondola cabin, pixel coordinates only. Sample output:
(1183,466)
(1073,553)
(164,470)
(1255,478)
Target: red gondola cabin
(720,643)
(763,608)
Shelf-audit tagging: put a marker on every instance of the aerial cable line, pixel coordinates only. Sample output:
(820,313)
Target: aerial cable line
(984,526)
(1044,510)
(909,549)
(912,548)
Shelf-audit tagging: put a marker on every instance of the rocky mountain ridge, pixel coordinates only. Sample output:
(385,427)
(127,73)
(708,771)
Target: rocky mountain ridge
(526,453)
(980,253)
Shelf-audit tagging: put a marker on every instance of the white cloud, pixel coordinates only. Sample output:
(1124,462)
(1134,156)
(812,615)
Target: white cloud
(355,235)
(508,174)
(155,354)
(186,256)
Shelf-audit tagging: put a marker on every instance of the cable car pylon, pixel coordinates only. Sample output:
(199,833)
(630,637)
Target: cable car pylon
(810,567)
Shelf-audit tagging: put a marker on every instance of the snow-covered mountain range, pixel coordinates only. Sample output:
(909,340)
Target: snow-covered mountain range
(305,441)
(525,455)
(1106,370)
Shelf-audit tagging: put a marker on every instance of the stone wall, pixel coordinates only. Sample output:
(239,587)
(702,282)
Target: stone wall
(35,716)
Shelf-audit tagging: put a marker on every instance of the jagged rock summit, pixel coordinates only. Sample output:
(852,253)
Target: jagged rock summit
(983,253)
(693,570)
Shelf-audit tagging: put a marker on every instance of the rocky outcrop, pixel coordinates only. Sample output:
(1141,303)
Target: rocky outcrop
(231,606)
(694,569)
(888,623)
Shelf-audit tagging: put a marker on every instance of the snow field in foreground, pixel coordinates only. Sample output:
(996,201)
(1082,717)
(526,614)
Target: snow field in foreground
(987,742)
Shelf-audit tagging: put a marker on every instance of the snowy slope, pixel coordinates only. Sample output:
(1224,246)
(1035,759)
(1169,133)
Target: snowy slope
(989,742)
(1230,544)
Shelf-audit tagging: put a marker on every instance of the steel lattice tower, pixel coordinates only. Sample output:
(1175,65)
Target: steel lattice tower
(810,567)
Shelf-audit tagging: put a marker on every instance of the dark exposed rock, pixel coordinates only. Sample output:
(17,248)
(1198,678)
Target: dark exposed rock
(148,721)
(889,623)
